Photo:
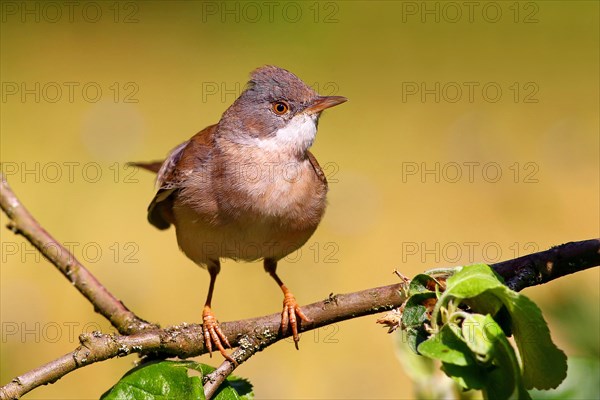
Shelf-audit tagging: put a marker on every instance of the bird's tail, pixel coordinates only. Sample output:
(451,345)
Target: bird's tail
(152,166)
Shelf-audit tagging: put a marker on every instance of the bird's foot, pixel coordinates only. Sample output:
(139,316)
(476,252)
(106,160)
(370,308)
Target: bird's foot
(290,314)
(213,334)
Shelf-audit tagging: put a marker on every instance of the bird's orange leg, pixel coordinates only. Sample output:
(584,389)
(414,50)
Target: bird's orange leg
(210,325)
(291,309)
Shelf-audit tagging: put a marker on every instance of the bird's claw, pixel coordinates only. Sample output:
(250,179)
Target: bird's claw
(213,334)
(291,310)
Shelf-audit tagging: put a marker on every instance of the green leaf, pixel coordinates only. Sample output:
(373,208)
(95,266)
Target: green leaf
(420,284)
(497,373)
(475,333)
(446,346)
(415,313)
(471,281)
(171,379)
(242,386)
(467,377)
(544,365)
(415,336)
(156,380)
(413,319)
(503,378)
(485,303)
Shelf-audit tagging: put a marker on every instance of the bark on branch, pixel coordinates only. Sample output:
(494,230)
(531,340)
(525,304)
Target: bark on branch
(538,268)
(251,335)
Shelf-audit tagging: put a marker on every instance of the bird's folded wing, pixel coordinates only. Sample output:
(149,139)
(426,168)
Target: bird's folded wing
(173,173)
(317,167)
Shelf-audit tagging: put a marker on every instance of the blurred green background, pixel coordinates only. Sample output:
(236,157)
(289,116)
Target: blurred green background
(471,135)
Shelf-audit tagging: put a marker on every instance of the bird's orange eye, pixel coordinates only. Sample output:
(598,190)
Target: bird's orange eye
(280,107)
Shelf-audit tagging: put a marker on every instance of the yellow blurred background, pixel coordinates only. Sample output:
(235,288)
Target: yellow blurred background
(471,134)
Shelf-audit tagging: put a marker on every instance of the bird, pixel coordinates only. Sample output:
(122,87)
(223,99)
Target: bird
(247,188)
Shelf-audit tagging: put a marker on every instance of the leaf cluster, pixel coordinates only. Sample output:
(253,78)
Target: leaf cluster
(464,318)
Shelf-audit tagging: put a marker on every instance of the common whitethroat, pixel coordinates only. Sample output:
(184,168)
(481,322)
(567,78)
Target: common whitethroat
(247,188)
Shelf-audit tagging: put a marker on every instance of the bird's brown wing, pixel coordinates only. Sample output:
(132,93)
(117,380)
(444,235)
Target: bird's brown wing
(317,167)
(185,159)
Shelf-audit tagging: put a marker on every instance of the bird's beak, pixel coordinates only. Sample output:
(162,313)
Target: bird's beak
(323,102)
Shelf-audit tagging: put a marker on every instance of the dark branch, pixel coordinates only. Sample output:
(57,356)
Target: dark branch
(538,268)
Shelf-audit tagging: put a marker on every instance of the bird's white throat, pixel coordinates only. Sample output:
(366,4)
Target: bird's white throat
(296,137)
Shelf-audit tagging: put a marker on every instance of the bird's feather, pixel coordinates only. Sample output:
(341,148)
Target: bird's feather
(317,167)
(173,172)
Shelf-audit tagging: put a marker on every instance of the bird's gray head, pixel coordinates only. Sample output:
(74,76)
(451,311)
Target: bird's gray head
(276,111)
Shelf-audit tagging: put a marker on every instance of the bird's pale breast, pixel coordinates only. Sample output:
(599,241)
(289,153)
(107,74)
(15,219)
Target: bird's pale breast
(262,205)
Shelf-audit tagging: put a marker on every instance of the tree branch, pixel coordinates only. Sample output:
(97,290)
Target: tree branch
(538,268)
(248,347)
(251,335)
(184,341)
(23,223)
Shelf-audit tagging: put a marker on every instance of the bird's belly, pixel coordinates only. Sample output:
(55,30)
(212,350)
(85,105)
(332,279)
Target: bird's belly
(249,219)
(244,240)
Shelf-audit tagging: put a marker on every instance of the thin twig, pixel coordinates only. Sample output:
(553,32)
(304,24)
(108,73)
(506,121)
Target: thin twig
(248,346)
(22,222)
(215,379)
